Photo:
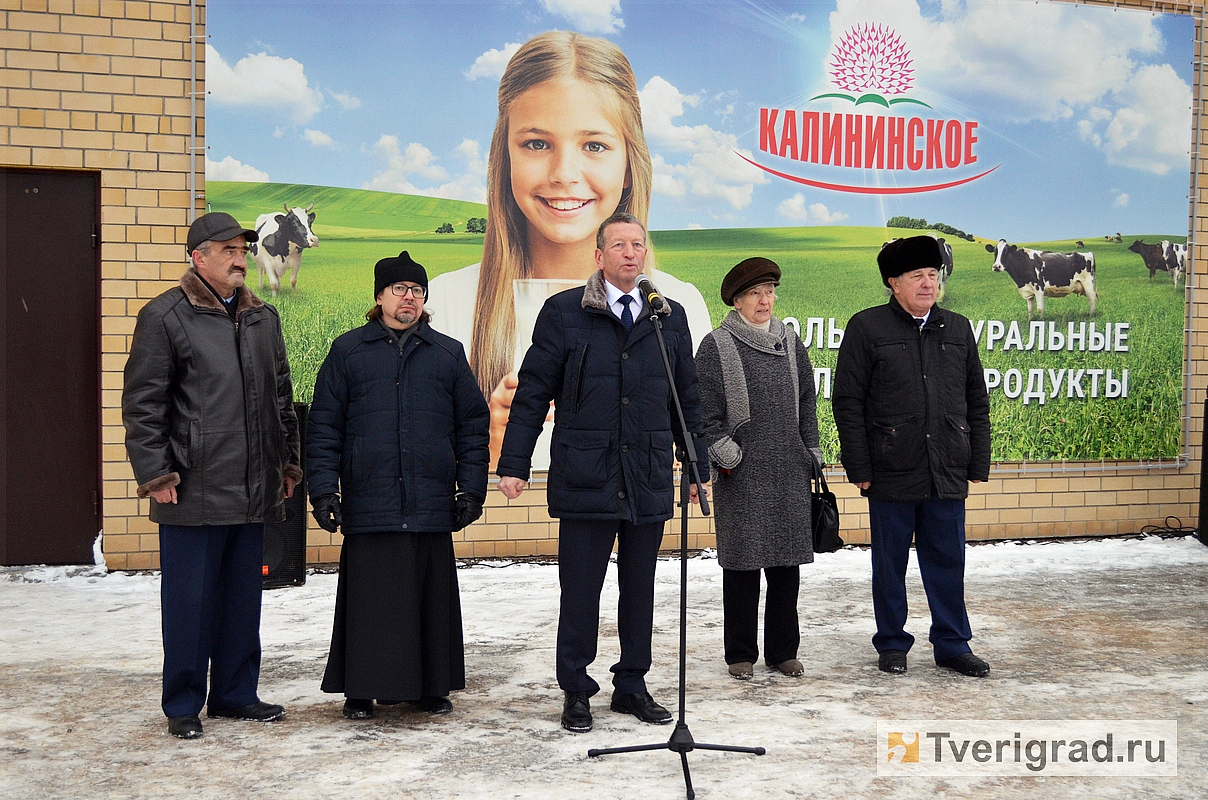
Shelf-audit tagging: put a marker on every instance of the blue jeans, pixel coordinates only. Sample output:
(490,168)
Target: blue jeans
(210,605)
(938,530)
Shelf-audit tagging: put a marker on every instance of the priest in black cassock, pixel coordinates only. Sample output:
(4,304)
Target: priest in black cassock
(397,456)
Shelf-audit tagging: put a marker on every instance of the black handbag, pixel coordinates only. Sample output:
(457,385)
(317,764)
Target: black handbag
(824,513)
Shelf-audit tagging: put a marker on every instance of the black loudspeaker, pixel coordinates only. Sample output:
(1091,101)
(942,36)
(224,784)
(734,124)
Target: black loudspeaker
(285,541)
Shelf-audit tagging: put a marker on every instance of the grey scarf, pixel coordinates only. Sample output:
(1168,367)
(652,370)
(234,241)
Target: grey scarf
(776,341)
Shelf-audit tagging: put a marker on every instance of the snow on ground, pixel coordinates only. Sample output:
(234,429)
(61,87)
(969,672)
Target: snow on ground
(1109,629)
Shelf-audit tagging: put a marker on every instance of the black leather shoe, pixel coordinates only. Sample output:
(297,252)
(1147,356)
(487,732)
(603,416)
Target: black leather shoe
(184,727)
(642,706)
(576,712)
(967,664)
(434,705)
(892,661)
(355,708)
(256,712)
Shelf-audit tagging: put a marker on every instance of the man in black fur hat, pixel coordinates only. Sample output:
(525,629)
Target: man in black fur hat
(913,417)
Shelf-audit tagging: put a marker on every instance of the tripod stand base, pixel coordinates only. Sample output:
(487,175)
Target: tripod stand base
(681,742)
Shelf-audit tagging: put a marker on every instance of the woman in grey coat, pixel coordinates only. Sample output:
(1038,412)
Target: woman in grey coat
(760,423)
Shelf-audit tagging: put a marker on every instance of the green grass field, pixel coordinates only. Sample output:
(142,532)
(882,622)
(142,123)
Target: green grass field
(828,272)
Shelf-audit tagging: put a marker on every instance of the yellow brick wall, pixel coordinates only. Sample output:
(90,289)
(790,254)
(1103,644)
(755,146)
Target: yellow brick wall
(104,85)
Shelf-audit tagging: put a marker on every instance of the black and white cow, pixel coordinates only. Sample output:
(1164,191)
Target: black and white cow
(945,267)
(283,237)
(1162,256)
(1176,259)
(945,270)
(1040,274)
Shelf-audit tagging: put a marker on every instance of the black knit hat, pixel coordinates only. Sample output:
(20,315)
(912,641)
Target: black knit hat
(394,270)
(747,273)
(905,255)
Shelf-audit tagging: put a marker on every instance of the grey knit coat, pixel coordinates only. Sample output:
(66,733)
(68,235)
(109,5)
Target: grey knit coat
(763,504)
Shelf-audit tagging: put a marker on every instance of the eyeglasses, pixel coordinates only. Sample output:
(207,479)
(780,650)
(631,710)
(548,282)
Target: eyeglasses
(401,289)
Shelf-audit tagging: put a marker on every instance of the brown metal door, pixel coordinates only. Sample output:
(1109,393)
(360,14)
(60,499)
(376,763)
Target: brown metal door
(50,373)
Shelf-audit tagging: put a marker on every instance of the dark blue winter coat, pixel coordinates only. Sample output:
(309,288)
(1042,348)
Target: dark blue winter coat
(397,434)
(612,450)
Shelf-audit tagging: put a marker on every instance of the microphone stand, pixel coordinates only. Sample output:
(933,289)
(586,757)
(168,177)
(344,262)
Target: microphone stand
(681,740)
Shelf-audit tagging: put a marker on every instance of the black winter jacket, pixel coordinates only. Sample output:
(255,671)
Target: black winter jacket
(397,435)
(612,450)
(208,407)
(911,405)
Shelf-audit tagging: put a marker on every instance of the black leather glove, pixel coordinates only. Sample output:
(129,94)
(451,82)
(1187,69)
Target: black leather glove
(327,512)
(468,510)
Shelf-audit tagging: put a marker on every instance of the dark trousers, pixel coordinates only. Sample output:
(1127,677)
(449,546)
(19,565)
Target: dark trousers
(584,547)
(938,529)
(211,581)
(740,610)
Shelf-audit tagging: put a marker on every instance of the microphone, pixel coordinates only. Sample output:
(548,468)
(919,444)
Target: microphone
(651,294)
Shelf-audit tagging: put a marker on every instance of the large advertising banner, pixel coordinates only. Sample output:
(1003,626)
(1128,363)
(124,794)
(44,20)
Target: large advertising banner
(1047,144)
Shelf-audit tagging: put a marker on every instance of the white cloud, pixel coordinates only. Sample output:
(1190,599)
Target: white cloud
(346,101)
(228,169)
(1151,129)
(796,210)
(471,152)
(1121,200)
(820,214)
(492,63)
(405,166)
(1063,58)
(319,139)
(709,168)
(588,16)
(1045,62)
(695,226)
(262,84)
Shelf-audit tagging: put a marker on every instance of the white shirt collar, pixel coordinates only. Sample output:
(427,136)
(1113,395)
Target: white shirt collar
(614,300)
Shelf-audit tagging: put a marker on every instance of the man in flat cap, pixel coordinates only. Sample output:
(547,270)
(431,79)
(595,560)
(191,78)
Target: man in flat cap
(213,439)
(913,416)
(397,453)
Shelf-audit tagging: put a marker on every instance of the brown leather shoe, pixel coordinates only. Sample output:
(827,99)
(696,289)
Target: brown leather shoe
(743,670)
(792,668)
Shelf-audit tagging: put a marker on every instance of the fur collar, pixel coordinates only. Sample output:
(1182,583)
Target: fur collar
(200,296)
(596,296)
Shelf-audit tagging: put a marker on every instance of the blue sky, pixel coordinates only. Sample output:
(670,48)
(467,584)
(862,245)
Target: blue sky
(1085,109)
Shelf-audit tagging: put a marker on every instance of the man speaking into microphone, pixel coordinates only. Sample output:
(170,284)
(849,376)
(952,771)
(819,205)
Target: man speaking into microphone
(596,356)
